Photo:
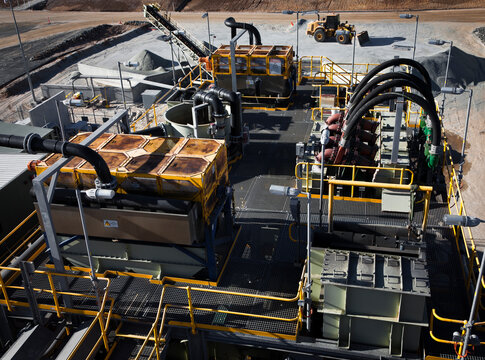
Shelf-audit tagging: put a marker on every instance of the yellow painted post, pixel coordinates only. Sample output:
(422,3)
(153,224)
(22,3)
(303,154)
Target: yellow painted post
(5,295)
(191,310)
(54,295)
(103,330)
(353,179)
(155,115)
(427,198)
(307,177)
(330,206)
(157,342)
(402,175)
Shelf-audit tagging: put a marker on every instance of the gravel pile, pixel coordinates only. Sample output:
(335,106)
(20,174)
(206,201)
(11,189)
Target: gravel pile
(149,61)
(465,69)
(80,38)
(480,33)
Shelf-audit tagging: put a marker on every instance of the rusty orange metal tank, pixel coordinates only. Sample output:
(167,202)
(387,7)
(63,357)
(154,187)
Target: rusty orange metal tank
(181,168)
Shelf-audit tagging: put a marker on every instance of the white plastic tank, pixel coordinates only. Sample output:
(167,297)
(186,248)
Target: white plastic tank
(180,123)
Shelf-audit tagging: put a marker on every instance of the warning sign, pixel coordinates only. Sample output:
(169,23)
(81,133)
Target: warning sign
(110,223)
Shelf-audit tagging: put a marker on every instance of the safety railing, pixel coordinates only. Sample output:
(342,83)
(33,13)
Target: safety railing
(197,77)
(427,190)
(22,234)
(267,102)
(467,252)
(458,345)
(318,112)
(307,179)
(322,68)
(156,331)
(464,241)
(60,310)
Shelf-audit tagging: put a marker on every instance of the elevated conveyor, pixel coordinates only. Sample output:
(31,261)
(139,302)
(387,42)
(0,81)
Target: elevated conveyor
(187,43)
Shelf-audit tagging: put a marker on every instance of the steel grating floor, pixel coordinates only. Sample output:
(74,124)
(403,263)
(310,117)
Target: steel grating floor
(264,259)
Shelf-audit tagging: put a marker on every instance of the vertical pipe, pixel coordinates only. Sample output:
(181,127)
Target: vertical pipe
(415,35)
(209,31)
(26,61)
(462,159)
(309,278)
(469,324)
(232,65)
(86,242)
(330,206)
(353,62)
(320,205)
(297,21)
(60,121)
(171,53)
(195,121)
(442,110)
(122,88)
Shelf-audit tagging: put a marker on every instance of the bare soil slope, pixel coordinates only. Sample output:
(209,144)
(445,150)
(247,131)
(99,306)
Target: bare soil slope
(265,5)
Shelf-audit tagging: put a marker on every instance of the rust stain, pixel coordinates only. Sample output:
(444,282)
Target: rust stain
(95,144)
(147,164)
(200,147)
(186,166)
(70,165)
(124,143)
(163,145)
(113,160)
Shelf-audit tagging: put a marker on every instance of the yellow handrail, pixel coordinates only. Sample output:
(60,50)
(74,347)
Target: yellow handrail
(189,76)
(308,178)
(6,237)
(193,325)
(60,310)
(335,73)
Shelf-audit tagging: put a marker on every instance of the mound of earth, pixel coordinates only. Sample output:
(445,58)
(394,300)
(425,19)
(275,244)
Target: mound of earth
(263,5)
(465,69)
(148,61)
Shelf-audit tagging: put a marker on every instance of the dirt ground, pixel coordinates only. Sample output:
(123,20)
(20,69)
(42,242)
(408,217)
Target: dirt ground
(264,5)
(41,24)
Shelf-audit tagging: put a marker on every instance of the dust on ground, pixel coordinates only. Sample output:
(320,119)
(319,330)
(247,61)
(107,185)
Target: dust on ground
(264,5)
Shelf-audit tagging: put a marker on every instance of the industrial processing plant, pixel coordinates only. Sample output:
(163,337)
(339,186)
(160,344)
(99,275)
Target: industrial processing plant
(241,180)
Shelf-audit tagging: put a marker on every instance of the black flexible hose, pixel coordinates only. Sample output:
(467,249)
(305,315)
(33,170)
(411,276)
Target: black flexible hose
(33,143)
(435,122)
(231,22)
(390,63)
(379,89)
(235,103)
(419,85)
(159,130)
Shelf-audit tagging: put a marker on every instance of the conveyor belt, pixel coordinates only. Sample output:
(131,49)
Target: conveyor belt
(182,38)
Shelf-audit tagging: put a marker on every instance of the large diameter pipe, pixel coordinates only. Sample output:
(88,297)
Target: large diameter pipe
(386,86)
(33,143)
(235,103)
(435,123)
(215,103)
(420,85)
(231,22)
(389,63)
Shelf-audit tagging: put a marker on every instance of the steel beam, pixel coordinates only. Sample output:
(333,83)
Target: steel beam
(233,59)
(43,198)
